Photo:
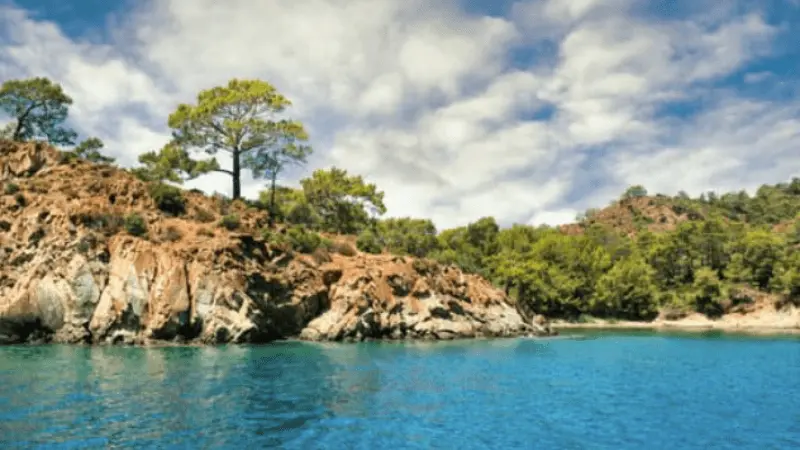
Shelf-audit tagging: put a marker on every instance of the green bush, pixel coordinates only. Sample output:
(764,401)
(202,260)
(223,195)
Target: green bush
(135,224)
(368,242)
(204,215)
(11,189)
(230,221)
(274,238)
(305,241)
(708,293)
(168,198)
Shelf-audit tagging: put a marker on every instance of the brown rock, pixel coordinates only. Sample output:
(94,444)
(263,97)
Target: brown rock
(71,273)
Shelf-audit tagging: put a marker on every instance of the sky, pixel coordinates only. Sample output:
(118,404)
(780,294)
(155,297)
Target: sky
(530,111)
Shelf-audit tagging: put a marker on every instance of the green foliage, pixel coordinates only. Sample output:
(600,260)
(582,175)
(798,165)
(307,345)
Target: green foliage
(135,224)
(20,199)
(172,163)
(38,107)
(230,222)
(708,293)
(88,149)
(341,202)
(290,206)
(204,215)
(787,276)
(469,247)
(770,205)
(168,198)
(407,236)
(305,241)
(274,238)
(239,119)
(368,242)
(626,291)
(11,189)
(634,191)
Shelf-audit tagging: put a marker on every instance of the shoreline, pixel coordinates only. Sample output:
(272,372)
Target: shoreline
(693,325)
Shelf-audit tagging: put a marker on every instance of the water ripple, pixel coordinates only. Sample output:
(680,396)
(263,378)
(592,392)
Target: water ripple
(617,391)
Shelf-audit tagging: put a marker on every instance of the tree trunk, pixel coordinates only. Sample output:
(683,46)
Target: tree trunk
(17,132)
(273,181)
(21,124)
(237,175)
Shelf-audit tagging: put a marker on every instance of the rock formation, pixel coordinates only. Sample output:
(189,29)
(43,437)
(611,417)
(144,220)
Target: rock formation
(69,271)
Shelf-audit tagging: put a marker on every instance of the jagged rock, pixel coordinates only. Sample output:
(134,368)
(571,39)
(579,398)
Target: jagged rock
(70,273)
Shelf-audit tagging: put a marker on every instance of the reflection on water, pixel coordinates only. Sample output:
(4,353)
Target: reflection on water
(616,391)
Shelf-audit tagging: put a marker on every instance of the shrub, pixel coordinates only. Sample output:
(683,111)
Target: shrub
(11,189)
(168,198)
(135,224)
(204,215)
(230,222)
(21,200)
(368,242)
(274,238)
(305,241)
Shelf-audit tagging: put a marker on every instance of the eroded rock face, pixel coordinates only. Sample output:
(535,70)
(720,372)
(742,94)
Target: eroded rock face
(70,273)
(385,297)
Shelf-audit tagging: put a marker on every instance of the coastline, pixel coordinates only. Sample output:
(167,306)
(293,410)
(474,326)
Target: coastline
(768,323)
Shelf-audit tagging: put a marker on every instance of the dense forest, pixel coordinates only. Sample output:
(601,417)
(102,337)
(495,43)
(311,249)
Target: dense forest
(639,256)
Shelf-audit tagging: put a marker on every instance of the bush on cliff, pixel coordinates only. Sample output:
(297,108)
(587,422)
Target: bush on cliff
(169,199)
(368,242)
(11,189)
(230,222)
(305,241)
(135,224)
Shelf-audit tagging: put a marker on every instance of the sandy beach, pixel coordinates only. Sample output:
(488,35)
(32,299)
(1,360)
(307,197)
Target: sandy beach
(765,321)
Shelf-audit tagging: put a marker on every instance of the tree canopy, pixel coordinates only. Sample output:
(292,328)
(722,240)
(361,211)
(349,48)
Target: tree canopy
(89,149)
(38,108)
(172,163)
(241,120)
(342,203)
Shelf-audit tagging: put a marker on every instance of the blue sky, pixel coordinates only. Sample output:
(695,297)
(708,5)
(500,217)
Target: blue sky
(529,110)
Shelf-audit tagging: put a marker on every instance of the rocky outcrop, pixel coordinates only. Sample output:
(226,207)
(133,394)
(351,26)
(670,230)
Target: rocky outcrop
(69,272)
(399,298)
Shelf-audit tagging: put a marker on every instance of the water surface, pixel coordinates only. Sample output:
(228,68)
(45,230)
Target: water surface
(621,391)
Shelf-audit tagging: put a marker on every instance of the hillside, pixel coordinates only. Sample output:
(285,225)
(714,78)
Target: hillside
(92,254)
(777,206)
(656,214)
(731,258)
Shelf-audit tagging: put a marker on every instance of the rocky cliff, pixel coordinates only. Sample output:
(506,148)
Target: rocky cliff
(69,271)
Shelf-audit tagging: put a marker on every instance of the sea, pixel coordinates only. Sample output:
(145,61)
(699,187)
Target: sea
(585,390)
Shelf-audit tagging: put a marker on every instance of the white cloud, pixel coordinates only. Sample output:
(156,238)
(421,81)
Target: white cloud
(427,101)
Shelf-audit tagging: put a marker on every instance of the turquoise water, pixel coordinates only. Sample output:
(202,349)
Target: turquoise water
(629,391)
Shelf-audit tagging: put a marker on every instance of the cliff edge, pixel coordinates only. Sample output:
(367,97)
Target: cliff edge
(71,273)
